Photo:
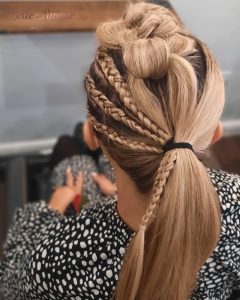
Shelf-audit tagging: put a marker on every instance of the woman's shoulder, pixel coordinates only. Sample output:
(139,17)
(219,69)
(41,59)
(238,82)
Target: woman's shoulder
(103,209)
(227,186)
(104,214)
(220,273)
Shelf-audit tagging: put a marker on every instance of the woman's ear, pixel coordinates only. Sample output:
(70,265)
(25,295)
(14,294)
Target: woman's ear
(89,137)
(218,133)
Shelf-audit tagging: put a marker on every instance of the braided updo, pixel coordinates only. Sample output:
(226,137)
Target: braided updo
(152,81)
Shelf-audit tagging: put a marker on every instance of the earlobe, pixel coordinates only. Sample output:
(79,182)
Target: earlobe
(218,133)
(96,142)
(89,137)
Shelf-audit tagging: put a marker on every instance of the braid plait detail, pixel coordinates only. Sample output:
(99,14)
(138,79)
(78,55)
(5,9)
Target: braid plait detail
(115,78)
(114,136)
(163,172)
(110,108)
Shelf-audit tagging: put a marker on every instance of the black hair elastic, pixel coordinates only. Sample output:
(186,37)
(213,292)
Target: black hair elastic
(170,145)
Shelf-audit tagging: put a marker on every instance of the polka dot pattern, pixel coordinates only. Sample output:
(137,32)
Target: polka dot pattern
(220,275)
(49,256)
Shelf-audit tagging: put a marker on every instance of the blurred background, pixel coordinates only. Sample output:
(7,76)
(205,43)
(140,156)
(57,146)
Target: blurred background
(42,96)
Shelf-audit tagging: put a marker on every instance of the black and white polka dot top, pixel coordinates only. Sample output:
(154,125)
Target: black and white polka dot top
(48,256)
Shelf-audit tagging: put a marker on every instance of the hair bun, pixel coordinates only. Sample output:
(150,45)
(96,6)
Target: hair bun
(156,25)
(147,58)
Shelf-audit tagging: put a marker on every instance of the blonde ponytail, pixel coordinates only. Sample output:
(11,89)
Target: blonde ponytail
(134,259)
(153,82)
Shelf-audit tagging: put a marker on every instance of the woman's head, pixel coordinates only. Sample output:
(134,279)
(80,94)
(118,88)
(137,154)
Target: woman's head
(157,82)
(152,81)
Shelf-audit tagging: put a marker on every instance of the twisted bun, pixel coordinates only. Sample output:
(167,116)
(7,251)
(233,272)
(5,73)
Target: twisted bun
(143,39)
(147,58)
(157,25)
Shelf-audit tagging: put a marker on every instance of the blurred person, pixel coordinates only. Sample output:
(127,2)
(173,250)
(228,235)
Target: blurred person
(155,98)
(79,143)
(67,145)
(79,152)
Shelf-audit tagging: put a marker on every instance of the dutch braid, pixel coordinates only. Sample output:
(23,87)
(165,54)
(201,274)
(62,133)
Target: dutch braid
(110,108)
(114,136)
(110,71)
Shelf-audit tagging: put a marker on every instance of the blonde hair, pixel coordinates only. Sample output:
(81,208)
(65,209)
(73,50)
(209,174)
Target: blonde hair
(153,81)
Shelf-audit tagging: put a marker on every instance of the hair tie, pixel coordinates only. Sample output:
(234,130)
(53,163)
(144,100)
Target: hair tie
(170,145)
